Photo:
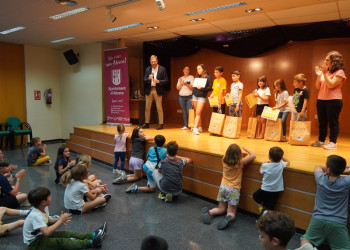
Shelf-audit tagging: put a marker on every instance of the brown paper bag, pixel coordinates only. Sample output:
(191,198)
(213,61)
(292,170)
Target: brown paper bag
(300,132)
(252,122)
(232,127)
(273,130)
(191,118)
(216,123)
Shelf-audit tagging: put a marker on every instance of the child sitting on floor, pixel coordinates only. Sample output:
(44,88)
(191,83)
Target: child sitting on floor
(275,230)
(6,228)
(272,182)
(39,230)
(76,190)
(229,192)
(168,176)
(155,155)
(63,163)
(9,195)
(37,153)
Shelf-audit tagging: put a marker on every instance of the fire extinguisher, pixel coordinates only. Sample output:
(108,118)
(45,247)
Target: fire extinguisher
(48,96)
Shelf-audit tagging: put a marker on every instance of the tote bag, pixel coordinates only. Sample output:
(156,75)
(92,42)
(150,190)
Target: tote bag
(216,123)
(273,130)
(232,127)
(300,132)
(251,129)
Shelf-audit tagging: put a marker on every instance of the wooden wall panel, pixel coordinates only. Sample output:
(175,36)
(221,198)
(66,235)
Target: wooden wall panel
(106,138)
(283,62)
(12,82)
(80,140)
(82,132)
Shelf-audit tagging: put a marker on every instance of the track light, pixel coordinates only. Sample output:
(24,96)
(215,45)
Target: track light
(110,16)
(66,2)
(160,4)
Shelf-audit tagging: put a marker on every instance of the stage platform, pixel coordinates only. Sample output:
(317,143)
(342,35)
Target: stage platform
(203,177)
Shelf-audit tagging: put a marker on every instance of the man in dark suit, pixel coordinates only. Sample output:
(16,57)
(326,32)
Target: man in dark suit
(154,80)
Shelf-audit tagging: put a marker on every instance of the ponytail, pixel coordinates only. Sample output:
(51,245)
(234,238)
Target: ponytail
(66,178)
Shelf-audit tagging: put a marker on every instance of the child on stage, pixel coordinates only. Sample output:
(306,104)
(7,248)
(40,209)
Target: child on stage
(219,90)
(236,93)
(263,94)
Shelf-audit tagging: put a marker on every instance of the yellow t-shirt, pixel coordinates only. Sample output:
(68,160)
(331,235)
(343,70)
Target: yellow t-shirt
(232,176)
(217,86)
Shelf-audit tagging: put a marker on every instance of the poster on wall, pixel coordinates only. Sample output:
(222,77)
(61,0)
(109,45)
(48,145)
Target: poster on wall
(117,86)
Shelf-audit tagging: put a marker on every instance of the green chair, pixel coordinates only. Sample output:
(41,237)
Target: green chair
(18,128)
(4,133)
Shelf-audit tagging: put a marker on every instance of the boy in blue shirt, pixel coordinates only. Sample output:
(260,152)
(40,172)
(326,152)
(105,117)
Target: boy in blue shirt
(330,215)
(272,182)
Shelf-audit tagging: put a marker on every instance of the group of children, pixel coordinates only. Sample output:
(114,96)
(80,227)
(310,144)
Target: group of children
(164,168)
(301,95)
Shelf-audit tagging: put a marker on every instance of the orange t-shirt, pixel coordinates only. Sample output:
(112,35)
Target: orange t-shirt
(232,176)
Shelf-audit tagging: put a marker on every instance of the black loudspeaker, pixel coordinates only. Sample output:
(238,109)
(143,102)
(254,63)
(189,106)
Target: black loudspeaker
(71,57)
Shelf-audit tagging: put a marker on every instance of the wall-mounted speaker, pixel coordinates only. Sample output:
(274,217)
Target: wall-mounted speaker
(71,57)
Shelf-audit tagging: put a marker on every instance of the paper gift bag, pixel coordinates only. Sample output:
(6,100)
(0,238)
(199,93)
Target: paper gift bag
(232,127)
(252,122)
(273,130)
(299,133)
(191,118)
(216,123)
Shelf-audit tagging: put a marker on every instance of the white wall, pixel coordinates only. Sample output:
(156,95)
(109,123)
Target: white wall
(42,71)
(81,89)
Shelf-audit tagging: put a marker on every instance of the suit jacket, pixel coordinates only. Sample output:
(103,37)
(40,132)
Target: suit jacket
(162,76)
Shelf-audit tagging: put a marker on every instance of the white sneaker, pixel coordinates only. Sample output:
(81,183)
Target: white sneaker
(195,131)
(184,128)
(200,130)
(330,145)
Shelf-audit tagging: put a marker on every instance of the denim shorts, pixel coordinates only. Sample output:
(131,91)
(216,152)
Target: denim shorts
(198,99)
(229,195)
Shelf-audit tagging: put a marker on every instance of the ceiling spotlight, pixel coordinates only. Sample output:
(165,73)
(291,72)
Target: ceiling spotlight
(253,10)
(160,4)
(110,16)
(66,2)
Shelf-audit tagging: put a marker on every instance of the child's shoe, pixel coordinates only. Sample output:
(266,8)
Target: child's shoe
(97,241)
(330,145)
(161,196)
(206,215)
(225,222)
(318,144)
(132,189)
(107,197)
(169,198)
(121,179)
(263,213)
(101,230)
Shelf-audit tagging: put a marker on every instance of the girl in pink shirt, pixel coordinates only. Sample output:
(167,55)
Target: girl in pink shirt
(119,149)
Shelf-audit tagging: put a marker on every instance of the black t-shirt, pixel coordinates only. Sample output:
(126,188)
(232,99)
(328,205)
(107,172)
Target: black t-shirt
(138,147)
(299,96)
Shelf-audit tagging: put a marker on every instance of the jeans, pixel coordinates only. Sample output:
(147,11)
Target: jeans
(118,155)
(328,114)
(185,103)
(284,116)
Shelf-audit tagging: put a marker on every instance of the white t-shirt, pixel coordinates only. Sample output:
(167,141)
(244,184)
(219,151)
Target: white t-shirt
(263,92)
(280,98)
(32,224)
(185,91)
(235,88)
(273,176)
(73,195)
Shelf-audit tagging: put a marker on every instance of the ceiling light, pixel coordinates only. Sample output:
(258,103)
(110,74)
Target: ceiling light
(160,4)
(69,13)
(253,10)
(12,30)
(223,7)
(121,3)
(123,27)
(63,39)
(66,2)
(153,28)
(197,20)
(110,16)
